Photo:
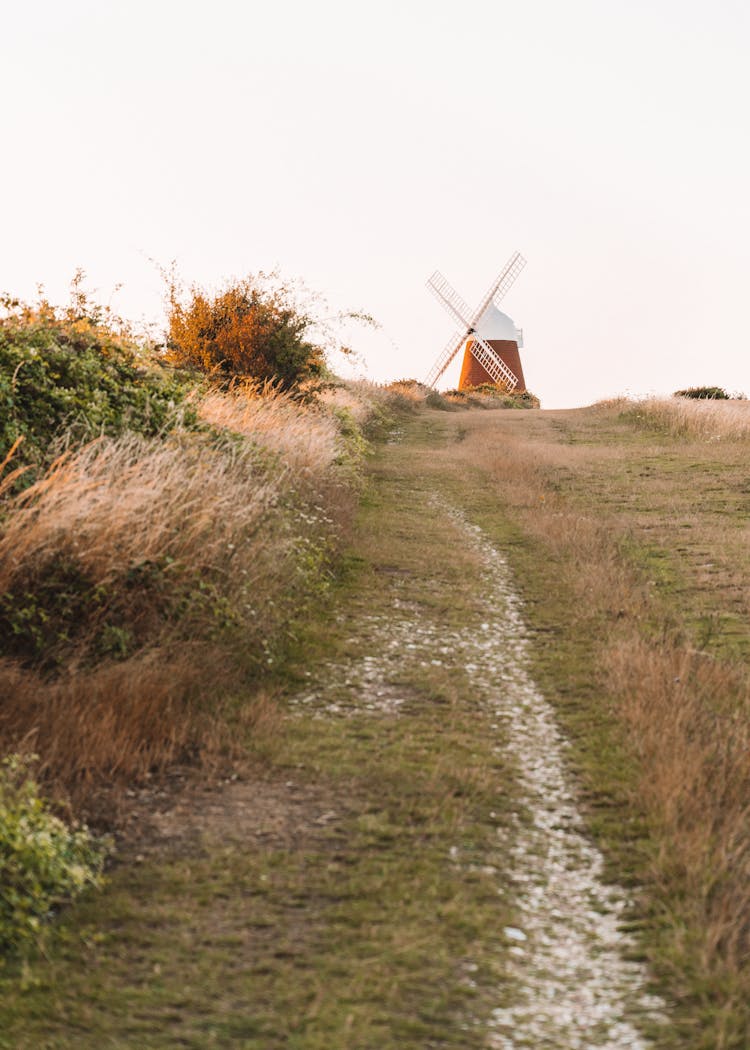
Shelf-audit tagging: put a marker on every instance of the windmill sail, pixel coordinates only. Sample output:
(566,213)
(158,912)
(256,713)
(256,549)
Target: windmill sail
(445,293)
(493,365)
(506,280)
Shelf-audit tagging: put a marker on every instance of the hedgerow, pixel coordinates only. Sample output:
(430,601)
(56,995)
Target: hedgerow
(164,537)
(161,535)
(69,374)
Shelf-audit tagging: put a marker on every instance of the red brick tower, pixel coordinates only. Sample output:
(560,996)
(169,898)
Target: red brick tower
(496,329)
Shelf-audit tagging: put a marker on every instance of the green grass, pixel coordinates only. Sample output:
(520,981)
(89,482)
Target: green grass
(668,507)
(356,929)
(351,925)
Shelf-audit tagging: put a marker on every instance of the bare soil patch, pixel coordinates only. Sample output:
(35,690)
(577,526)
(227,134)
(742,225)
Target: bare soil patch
(260,813)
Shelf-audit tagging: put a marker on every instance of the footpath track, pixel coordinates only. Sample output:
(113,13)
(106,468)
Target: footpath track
(573,984)
(402,865)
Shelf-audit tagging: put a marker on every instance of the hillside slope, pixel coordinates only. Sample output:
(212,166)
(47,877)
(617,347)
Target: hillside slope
(411,854)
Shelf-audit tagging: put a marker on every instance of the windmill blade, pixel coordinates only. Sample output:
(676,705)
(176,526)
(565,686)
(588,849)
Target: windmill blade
(500,286)
(449,297)
(452,347)
(492,363)
(508,276)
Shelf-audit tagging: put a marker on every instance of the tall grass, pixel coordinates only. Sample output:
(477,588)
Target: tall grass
(361,399)
(306,437)
(708,420)
(116,722)
(143,580)
(690,720)
(126,501)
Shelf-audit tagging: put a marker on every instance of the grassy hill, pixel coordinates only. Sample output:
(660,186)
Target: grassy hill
(351,885)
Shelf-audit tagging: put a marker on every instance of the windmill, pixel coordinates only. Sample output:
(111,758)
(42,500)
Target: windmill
(492,340)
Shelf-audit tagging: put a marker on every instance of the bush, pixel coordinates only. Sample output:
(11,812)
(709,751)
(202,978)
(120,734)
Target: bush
(43,861)
(246,330)
(708,393)
(148,574)
(74,373)
(488,395)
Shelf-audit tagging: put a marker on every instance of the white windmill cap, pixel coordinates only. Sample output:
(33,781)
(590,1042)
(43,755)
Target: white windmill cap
(494,324)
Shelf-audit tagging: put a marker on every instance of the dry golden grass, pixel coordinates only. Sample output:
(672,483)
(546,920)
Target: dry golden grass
(185,549)
(120,723)
(690,720)
(607,404)
(360,398)
(708,420)
(304,436)
(121,720)
(365,401)
(121,502)
(409,391)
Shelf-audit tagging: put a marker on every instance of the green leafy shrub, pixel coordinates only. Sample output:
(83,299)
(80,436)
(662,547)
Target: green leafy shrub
(76,372)
(707,393)
(42,614)
(57,608)
(43,861)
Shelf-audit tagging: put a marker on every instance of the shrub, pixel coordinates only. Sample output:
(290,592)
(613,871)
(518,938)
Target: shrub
(43,861)
(488,395)
(709,393)
(245,330)
(146,573)
(75,372)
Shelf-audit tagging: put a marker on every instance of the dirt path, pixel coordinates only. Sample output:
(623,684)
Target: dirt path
(574,985)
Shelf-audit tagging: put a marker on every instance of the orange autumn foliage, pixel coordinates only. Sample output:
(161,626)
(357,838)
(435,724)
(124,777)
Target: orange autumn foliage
(244,331)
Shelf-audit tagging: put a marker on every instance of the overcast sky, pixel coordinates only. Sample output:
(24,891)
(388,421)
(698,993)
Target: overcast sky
(360,146)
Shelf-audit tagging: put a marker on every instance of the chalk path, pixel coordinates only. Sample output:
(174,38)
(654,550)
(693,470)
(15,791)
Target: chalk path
(575,988)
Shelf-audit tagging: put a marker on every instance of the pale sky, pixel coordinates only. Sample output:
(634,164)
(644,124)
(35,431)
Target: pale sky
(360,146)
